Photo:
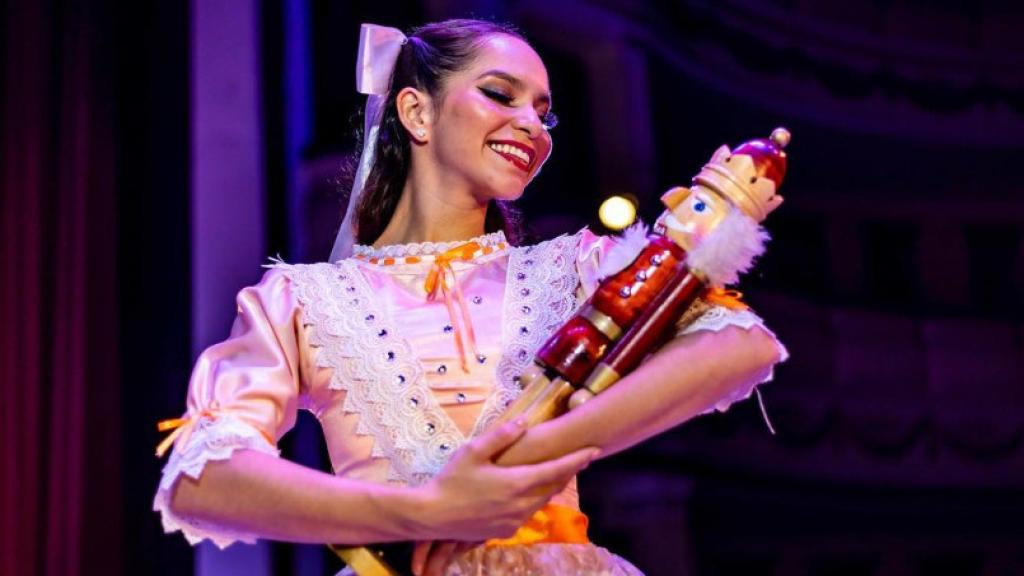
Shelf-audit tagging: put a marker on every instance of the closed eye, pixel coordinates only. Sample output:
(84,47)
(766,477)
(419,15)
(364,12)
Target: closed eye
(497,96)
(548,119)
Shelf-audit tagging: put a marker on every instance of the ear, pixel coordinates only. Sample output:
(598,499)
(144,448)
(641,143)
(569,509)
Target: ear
(415,112)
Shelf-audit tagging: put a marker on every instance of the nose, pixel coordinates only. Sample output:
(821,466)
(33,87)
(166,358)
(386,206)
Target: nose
(528,121)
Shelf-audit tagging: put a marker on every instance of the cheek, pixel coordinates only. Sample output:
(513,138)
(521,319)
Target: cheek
(543,146)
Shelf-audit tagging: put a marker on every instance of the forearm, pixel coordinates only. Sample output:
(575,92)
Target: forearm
(683,379)
(273,498)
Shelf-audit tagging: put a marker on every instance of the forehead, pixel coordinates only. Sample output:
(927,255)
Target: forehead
(512,56)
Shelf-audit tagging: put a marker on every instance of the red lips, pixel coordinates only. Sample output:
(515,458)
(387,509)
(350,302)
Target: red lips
(516,159)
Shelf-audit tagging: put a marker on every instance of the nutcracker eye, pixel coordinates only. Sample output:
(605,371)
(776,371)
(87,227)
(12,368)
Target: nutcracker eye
(699,206)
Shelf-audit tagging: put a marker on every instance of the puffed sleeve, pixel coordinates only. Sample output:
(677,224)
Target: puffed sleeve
(243,394)
(591,252)
(702,315)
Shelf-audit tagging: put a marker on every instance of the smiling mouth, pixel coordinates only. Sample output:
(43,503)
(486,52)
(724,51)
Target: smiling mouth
(520,156)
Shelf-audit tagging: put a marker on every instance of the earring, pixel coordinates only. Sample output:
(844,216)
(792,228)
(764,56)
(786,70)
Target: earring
(421,133)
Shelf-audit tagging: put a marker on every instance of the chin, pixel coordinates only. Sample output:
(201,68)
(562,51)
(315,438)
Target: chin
(507,195)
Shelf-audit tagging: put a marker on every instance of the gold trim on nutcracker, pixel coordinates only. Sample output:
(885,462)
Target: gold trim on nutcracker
(363,561)
(735,176)
(601,378)
(602,322)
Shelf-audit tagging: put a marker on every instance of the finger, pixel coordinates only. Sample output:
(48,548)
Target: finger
(559,470)
(489,445)
(440,555)
(420,552)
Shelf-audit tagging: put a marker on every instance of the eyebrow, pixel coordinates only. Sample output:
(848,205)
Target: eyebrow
(518,84)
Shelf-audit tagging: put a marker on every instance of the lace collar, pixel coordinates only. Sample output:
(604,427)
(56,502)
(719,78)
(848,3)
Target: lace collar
(492,240)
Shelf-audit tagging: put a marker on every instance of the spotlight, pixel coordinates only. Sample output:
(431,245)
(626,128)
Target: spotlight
(617,212)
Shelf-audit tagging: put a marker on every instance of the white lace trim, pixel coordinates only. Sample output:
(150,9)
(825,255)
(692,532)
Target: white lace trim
(540,296)
(211,439)
(377,369)
(424,248)
(716,318)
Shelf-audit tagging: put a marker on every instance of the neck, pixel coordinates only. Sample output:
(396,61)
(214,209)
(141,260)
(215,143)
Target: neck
(432,210)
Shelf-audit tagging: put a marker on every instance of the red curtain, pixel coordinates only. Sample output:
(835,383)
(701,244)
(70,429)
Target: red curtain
(59,382)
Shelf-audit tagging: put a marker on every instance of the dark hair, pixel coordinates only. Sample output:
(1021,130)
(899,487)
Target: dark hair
(433,52)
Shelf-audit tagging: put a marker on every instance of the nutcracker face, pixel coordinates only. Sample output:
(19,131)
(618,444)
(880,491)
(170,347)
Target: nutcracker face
(692,214)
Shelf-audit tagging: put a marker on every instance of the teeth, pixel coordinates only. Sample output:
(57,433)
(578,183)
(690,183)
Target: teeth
(514,151)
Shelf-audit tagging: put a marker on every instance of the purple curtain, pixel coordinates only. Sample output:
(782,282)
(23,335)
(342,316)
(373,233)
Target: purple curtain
(59,381)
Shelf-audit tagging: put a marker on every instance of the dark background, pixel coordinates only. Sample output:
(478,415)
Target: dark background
(894,277)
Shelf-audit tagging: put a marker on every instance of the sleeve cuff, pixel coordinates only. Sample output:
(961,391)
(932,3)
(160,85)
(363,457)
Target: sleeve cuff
(714,319)
(212,439)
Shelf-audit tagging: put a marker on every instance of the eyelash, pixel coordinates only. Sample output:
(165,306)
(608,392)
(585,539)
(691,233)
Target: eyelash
(549,120)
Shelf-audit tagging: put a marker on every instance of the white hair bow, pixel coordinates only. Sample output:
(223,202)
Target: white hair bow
(379,47)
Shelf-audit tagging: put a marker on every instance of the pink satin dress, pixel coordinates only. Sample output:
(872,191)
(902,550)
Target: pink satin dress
(398,377)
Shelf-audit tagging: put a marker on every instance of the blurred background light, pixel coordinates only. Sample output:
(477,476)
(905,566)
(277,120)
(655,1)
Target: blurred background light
(617,212)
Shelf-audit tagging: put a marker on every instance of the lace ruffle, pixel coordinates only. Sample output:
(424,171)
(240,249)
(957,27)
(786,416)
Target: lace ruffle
(424,248)
(540,296)
(377,369)
(714,319)
(211,439)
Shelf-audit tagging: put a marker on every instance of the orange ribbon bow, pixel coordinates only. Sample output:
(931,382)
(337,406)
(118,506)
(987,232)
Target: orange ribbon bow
(437,280)
(552,524)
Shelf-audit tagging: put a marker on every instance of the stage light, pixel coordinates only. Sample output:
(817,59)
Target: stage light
(617,212)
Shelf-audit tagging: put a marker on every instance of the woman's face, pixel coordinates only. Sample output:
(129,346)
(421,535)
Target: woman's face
(489,129)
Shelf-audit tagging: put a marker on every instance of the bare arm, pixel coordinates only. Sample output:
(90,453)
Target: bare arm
(683,379)
(255,492)
(259,494)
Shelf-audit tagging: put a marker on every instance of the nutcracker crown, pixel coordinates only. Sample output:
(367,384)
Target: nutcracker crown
(749,175)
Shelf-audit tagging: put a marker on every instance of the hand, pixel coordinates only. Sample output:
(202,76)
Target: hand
(474,499)
(430,558)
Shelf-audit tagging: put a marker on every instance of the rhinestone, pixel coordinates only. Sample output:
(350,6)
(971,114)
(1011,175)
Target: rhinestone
(657,259)
(400,379)
(445,447)
(391,356)
(351,288)
(526,309)
(524,330)
(521,276)
(481,358)
(442,369)
(370,317)
(383,333)
(342,277)
(528,262)
(641,275)
(508,403)
(460,398)
(624,292)
(448,328)
(477,300)
(525,292)
(414,401)
(354,302)
(430,428)
(522,355)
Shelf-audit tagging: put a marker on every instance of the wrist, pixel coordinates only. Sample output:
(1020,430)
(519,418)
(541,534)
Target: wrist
(415,512)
